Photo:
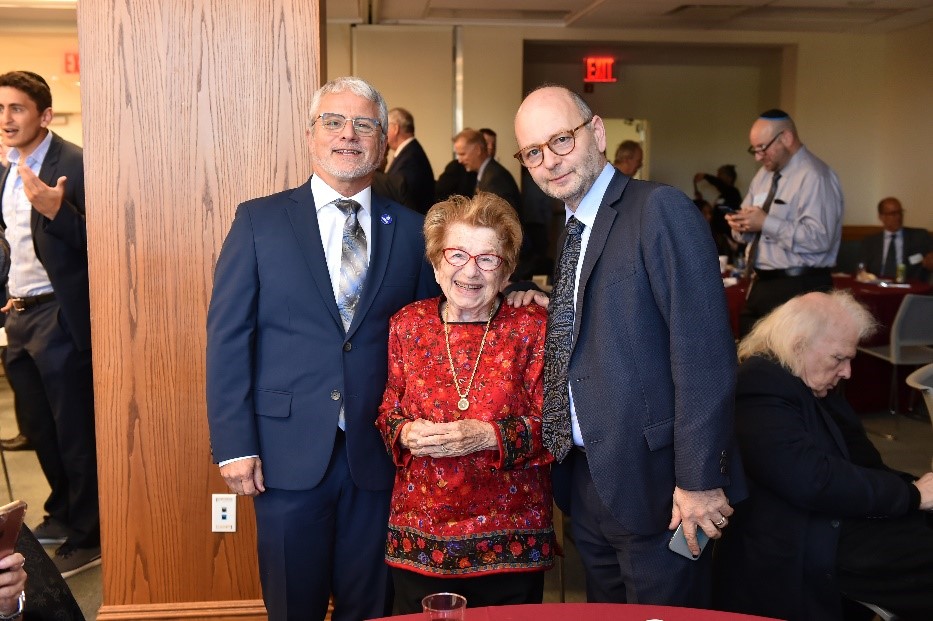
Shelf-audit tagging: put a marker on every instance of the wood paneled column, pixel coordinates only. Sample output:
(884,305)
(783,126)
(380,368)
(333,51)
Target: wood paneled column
(189,108)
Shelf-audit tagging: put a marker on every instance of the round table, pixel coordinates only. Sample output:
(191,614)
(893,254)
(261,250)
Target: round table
(590,612)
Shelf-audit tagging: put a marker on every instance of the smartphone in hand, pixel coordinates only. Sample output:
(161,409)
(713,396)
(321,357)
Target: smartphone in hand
(11,520)
(678,542)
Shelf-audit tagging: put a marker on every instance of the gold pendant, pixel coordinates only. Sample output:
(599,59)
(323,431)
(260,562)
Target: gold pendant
(463,404)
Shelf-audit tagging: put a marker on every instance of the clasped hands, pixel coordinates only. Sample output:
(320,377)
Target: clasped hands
(424,438)
(747,220)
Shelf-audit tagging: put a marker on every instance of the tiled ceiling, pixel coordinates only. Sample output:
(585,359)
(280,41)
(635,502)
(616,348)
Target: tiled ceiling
(857,16)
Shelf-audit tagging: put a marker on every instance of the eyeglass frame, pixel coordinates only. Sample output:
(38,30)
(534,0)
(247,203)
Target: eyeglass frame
(573,136)
(473,257)
(753,151)
(352,121)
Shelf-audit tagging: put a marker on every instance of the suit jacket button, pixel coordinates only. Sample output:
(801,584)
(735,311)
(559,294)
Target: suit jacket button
(347,346)
(335,395)
(834,523)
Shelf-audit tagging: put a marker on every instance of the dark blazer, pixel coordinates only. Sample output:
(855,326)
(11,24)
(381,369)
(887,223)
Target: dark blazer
(413,166)
(916,241)
(777,558)
(653,361)
(61,244)
(279,364)
(499,181)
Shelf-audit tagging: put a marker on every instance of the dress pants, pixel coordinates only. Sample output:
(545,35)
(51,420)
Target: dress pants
(329,539)
(54,389)
(627,568)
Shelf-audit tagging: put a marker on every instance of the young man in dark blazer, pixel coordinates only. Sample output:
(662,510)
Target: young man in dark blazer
(639,365)
(296,370)
(48,356)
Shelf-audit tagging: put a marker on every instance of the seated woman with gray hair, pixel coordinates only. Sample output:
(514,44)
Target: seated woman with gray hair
(461,418)
(826,519)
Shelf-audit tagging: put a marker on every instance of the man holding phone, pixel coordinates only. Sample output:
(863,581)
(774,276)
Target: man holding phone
(791,219)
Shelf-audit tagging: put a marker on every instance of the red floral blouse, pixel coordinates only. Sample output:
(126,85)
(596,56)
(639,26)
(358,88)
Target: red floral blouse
(489,511)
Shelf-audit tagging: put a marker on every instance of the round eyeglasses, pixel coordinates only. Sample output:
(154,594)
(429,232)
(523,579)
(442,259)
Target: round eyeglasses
(334,123)
(459,258)
(561,143)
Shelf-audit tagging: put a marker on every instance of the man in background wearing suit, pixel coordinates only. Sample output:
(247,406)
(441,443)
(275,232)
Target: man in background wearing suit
(911,247)
(639,365)
(297,350)
(410,162)
(471,150)
(48,324)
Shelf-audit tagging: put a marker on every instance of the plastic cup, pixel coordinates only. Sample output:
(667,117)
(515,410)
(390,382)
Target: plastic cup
(444,607)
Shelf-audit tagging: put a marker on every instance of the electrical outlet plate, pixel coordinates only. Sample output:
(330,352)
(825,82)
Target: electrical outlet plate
(223,513)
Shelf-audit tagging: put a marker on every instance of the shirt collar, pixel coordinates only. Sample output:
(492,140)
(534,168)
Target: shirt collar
(325,195)
(482,168)
(586,212)
(402,145)
(33,160)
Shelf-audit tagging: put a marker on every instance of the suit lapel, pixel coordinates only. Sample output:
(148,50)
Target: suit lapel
(303,217)
(605,216)
(383,219)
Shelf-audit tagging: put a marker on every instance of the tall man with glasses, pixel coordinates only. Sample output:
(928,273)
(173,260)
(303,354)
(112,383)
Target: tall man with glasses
(898,245)
(639,365)
(297,350)
(791,219)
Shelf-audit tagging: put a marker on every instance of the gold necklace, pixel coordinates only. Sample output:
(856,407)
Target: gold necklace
(463,404)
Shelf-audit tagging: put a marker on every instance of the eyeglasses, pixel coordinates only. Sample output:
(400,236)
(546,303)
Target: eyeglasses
(559,144)
(459,258)
(761,150)
(899,212)
(334,123)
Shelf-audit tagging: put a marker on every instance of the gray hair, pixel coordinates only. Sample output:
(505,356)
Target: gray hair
(792,327)
(357,86)
(404,120)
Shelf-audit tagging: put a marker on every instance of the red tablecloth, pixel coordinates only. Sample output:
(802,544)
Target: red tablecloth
(590,612)
(868,392)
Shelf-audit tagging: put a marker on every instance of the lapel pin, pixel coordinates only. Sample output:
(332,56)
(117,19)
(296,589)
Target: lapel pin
(386,218)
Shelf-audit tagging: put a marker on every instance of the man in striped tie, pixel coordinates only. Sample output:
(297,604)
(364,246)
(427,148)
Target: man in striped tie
(297,356)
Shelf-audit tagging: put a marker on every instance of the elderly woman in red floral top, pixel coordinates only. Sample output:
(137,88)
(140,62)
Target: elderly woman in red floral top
(461,417)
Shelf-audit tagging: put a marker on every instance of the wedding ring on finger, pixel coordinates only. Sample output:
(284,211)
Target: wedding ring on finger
(721,522)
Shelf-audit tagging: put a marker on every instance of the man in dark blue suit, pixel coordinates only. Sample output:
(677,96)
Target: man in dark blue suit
(898,245)
(643,435)
(410,162)
(296,368)
(48,323)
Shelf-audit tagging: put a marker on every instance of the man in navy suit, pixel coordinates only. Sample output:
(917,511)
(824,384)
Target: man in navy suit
(911,247)
(410,162)
(646,441)
(48,323)
(294,377)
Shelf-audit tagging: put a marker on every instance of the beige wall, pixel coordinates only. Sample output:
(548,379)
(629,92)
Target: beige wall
(849,94)
(45,52)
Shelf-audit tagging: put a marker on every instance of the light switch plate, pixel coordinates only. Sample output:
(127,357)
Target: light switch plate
(223,513)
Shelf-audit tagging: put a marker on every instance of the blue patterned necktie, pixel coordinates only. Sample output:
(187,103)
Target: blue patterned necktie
(557,344)
(353,261)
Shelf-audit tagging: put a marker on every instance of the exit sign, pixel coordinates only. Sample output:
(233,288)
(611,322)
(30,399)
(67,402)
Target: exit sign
(598,69)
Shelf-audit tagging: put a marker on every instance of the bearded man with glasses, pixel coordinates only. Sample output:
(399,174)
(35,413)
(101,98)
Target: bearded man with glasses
(639,366)
(791,219)
(297,351)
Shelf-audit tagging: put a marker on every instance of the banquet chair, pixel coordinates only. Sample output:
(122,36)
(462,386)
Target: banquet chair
(911,340)
(922,380)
